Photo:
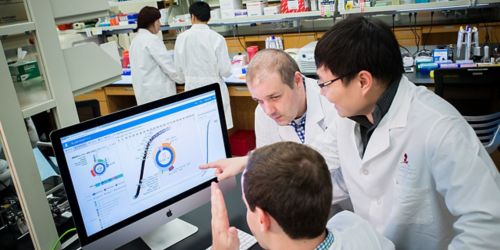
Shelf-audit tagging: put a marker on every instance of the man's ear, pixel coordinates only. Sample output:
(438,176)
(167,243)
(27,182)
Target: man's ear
(297,79)
(264,219)
(365,79)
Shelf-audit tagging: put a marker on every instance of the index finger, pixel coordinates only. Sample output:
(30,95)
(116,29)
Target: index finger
(209,165)
(220,221)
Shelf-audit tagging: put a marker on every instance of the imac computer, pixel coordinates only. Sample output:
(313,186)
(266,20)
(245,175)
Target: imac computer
(132,173)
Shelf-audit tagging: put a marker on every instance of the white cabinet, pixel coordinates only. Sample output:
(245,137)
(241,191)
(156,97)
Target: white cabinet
(61,74)
(71,11)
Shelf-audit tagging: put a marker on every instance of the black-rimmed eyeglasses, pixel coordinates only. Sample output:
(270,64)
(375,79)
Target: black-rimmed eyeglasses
(324,84)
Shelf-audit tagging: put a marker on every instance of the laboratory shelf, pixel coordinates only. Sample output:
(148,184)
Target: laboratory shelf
(269,1)
(33,96)
(90,67)
(216,22)
(481,3)
(268,18)
(69,11)
(38,108)
(16,28)
(110,30)
(415,7)
(115,3)
(256,19)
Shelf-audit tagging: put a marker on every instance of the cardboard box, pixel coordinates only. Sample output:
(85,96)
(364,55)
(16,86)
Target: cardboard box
(215,14)
(226,14)
(291,6)
(271,10)
(227,7)
(255,8)
(25,70)
(240,12)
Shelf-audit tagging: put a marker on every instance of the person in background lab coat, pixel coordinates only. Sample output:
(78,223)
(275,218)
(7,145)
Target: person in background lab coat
(152,66)
(201,56)
(287,192)
(290,109)
(413,166)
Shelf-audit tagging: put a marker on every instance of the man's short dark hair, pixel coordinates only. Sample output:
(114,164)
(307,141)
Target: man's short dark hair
(358,43)
(291,182)
(200,10)
(147,16)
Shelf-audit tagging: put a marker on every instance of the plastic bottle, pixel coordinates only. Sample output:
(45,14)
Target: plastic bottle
(125,59)
(279,42)
(486,56)
(450,52)
(252,50)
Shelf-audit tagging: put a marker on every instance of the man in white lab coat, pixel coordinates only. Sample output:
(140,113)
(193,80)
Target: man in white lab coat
(201,56)
(152,66)
(413,166)
(290,109)
(287,192)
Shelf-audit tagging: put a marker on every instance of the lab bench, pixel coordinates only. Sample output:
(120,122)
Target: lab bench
(116,97)
(120,95)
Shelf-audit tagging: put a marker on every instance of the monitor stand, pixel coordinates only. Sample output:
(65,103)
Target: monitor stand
(169,234)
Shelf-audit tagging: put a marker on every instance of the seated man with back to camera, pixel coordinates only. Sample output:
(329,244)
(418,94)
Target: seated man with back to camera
(287,191)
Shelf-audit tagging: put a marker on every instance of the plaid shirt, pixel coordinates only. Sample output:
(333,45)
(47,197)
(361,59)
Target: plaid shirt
(327,243)
(300,128)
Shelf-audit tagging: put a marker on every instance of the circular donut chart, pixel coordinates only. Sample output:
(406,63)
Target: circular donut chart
(165,157)
(99,168)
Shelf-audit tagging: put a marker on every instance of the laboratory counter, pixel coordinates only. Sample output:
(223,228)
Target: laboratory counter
(120,95)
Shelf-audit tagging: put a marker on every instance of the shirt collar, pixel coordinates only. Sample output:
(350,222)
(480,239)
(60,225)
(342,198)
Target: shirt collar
(145,31)
(199,26)
(381,107)
(299,121)
(302,119)
(327,243)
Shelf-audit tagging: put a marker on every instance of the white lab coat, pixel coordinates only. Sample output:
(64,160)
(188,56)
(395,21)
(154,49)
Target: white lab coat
(351,232)
(319,114)
(152,66)
(202,58)
(425,181)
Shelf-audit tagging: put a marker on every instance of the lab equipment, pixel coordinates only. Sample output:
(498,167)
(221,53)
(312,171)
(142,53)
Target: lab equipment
(486,57)
(273,42)
(305,58)
(239,60)
(439,55)
(469,36)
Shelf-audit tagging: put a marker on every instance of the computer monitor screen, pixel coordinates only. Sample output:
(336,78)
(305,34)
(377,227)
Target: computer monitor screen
(119,169)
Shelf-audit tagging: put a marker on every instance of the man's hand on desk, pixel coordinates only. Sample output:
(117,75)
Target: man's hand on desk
(223,236)
(226,168)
